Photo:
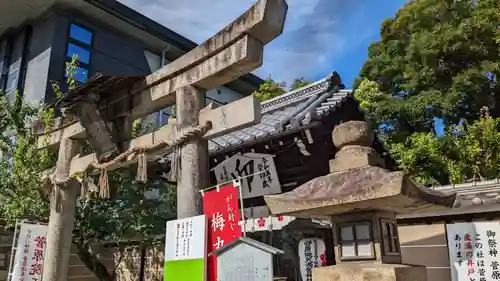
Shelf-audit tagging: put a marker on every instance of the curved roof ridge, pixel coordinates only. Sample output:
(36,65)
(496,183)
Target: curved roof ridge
(296,95)
(310,103)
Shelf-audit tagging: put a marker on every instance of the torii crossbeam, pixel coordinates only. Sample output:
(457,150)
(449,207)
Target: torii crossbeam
(234,51)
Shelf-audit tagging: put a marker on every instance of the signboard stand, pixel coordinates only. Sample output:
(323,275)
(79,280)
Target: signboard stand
(28,251)
(185,249)
(220,205)
(474,250)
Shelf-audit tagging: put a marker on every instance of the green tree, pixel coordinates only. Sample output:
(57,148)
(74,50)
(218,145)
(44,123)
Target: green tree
(130,215)
(299,83)
(456,157)
(436,59)
(271,89)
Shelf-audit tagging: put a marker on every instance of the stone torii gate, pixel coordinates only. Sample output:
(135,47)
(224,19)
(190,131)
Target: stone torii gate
(107,124)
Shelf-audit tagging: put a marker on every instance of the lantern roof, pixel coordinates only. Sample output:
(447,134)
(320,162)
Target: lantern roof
(357,181)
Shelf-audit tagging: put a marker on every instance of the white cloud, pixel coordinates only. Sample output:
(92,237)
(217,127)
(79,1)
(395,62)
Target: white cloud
(306,48)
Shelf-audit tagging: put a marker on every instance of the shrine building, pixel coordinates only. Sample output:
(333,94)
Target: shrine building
(295,137)
(293,142)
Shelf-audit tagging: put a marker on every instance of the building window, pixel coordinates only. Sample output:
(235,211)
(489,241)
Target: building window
(80,44)
(356,241)
(390,238)
(80,34)
(82,53)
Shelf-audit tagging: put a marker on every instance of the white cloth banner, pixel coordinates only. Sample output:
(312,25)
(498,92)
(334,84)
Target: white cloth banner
(30,249)
(312,253)
(267,223)
(474,251)
(260,219)
(246,166)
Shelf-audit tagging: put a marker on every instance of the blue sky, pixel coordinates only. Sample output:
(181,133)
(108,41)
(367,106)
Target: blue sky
(320,36)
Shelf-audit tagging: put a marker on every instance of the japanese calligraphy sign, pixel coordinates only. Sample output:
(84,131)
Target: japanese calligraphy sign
(247,167)
(312,253)
(28,260)
(473,249)
(221,207)
(185,249)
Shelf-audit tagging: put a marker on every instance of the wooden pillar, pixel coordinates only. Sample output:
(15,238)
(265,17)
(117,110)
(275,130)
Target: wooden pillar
(62,215)
(193,170)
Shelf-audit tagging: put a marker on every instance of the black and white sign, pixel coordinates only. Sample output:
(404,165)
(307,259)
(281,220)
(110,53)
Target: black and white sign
(474,251)
(312,253)
(30,248)
(247,166)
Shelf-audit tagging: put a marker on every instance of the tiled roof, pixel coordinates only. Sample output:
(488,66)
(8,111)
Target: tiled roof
(474,193)
(477,197)
(287,112)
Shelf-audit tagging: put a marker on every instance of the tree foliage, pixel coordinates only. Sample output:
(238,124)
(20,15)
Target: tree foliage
(299,83)
(132,215)
(437,59)
(271,89)
(456,157)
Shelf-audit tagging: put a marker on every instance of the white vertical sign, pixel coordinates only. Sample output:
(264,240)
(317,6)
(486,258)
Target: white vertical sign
(185,249)
(247,167)
(474,251)
(186,238)
(312,253)
(30,249)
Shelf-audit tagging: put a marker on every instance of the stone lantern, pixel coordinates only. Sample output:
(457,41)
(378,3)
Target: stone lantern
(361,198)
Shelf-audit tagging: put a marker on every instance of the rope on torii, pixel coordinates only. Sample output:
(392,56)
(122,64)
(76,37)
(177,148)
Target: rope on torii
(140,152)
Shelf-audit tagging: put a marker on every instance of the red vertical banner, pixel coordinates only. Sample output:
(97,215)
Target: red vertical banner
(221,208)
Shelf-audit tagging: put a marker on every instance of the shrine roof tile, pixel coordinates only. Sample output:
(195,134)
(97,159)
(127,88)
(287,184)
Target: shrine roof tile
(477,197)
(473,193)
(286,113)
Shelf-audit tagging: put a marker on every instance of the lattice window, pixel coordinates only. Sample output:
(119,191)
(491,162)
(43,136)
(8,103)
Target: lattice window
(356,241)
(390,238)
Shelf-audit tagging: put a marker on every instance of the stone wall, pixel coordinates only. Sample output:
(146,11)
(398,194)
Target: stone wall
(129,262)
(425,244)
(421,244)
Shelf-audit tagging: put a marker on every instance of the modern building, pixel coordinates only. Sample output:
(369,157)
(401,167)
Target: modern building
(37,38)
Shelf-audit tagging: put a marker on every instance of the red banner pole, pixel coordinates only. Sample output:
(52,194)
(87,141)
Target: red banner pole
(237,183)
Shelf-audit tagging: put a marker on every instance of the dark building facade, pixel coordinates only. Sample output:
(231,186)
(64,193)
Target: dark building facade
(37,39)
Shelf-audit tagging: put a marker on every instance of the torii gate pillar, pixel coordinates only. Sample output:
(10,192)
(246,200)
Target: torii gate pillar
(62,215)
(194,167)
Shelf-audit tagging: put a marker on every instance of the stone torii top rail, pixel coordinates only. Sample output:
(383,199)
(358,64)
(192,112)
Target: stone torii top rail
(106,122)
(235,50)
